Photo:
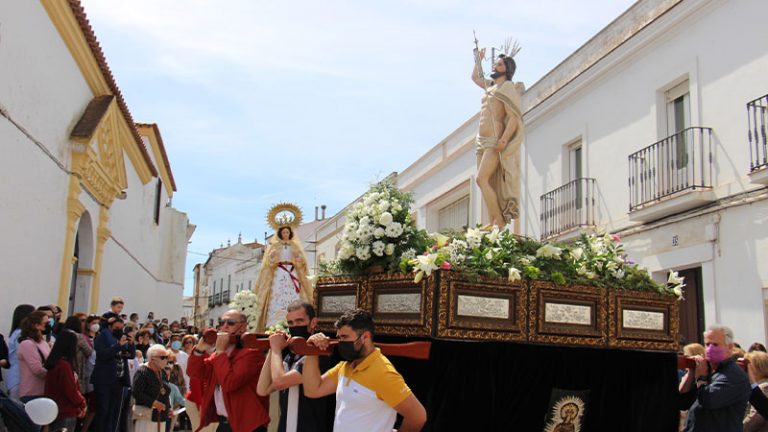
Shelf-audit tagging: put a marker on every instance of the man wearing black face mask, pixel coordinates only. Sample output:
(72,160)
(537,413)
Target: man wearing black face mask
(110,374)
(369,391)
(283,374)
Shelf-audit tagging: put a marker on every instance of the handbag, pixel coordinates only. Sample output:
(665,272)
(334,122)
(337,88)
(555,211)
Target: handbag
(141,412)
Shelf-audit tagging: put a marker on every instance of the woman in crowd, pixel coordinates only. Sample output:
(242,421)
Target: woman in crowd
(92,327)
(76,323)
(3,356)
(757,346)
(151,392)
(12,378)
(757,368)
(32,352)
(150,327)
(61,384)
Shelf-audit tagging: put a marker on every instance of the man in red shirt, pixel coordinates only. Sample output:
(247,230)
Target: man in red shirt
(230,375)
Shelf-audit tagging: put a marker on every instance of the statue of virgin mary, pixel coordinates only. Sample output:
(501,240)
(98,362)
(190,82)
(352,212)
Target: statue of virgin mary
(283,275)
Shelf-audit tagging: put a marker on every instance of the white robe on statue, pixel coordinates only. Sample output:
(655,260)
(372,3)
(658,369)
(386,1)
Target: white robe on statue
(283,288)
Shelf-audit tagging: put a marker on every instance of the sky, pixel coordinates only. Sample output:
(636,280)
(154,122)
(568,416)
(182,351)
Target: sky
(260,102)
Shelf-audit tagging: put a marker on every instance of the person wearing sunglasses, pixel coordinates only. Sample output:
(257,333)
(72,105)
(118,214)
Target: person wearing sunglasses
(151,392)
(230,373)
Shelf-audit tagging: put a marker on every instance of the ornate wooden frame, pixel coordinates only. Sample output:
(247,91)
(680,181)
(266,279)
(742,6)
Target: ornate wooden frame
(620,336)
(452,325)
(419,323)
(335,286)
(541,331)
(526,319)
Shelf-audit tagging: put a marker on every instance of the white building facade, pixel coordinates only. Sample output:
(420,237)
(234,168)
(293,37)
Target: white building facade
(642,131)
(86,209)
(227,271)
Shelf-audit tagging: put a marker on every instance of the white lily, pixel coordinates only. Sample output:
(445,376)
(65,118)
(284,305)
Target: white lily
(577,253)
(514,274)
(493,236)
(674,278)
(549,251)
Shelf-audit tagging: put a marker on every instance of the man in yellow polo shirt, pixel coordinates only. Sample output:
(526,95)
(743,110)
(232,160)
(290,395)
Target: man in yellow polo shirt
(369,391)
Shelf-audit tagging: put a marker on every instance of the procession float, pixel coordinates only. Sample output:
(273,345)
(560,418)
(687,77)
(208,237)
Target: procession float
(524,335)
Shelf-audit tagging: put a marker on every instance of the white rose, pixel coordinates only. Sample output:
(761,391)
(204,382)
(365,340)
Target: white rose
(378,232)
(386,218)
(383,205)
(390,249)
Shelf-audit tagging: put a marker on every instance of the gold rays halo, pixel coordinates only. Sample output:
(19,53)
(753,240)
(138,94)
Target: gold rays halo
(277,217)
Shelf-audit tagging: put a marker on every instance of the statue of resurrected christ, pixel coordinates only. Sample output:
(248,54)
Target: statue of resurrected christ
(499,138)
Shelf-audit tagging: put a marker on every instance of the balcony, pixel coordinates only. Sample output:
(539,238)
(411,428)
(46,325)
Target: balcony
(671,175)
(225,297)
(217,299)
(211,302)
(568,209)
(757,119)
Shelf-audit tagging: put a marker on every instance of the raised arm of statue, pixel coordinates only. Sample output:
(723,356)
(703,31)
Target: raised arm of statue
(477,71)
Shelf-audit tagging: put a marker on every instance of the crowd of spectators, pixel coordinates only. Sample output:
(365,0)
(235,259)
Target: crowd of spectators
(98,368)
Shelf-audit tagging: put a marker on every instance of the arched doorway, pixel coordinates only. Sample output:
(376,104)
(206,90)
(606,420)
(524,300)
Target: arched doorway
(82,266)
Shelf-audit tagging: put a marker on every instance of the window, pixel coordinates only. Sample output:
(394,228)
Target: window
(575,171)
(158,197)
(249,285)
(454,216)
(575,161)
(678,101)
(229,282)
(214,287)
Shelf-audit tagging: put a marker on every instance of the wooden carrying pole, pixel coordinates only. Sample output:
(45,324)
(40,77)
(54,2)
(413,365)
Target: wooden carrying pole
(416,350)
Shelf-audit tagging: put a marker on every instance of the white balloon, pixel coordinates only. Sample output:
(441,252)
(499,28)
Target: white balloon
(42,411)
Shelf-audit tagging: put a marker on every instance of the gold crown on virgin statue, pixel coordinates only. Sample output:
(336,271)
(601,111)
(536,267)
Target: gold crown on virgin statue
(284,214)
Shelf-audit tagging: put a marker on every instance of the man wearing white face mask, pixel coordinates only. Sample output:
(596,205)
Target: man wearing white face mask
(721,390)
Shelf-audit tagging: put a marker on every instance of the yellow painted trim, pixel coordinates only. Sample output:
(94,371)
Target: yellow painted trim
(102,173)
(102,235)
(85,272)
(75,209)
(65,22)
(69,29)
(149,132)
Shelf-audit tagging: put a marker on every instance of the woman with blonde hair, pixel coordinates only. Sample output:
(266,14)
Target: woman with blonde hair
(757,368)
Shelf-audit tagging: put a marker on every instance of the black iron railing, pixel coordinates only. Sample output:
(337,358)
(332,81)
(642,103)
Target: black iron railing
(211,302)
(570,206)
(757,118)
(217,298)
(676,163)
(225,297)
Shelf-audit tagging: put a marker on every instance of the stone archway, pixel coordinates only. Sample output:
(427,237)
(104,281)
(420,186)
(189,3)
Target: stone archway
(82,266)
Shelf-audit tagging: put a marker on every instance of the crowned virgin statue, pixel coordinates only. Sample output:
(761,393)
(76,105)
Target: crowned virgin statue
(283,275)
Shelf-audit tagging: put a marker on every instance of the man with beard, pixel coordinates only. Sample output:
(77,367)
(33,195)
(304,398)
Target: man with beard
(498,140)
(369,391)
(284,374)
(230,376)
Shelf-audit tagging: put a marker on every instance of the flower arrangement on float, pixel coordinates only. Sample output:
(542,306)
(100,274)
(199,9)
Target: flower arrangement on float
(593,259)
(379,231)
(246,301)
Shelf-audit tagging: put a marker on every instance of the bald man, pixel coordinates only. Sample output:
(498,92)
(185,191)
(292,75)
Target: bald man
(231,374)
